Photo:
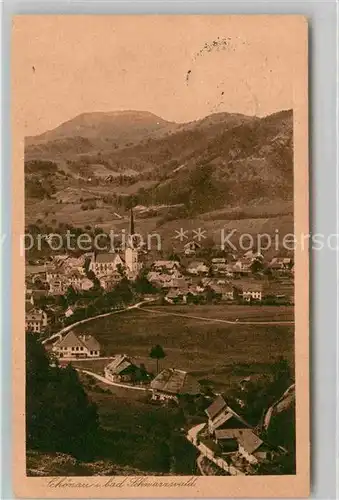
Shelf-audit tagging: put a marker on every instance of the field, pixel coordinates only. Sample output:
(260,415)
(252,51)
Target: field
(221,353)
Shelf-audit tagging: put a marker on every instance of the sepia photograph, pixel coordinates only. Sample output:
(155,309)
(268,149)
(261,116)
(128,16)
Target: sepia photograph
(160,193)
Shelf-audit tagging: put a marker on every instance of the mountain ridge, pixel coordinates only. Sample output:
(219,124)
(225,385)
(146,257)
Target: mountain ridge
(89,124)
(222,161)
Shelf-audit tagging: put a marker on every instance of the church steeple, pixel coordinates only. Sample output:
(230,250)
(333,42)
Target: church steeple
(131,253)
(131,223)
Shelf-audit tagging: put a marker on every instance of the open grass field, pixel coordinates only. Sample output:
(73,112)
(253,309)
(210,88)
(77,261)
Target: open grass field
(220,352)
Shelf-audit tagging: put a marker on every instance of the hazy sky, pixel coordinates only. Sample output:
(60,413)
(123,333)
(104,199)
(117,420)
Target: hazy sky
(66,65)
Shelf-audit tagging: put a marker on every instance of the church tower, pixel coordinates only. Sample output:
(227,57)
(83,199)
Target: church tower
(131,253)
(131,223)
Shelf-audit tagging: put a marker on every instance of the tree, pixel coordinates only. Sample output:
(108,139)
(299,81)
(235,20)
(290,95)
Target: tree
(142,285)
(280,465)
(59,415)
(92,276)
(174,256)
(123,291)
(261,391)
(71,295)
(121,270)
(257,266)
(157,353)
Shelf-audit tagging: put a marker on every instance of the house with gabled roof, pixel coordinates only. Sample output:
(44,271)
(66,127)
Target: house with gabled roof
(281,264)
(172,383)
(243,265)
(34,321)
(177,283)
(109,282)
(219,266)
(77,346)
(58,286)
(246,443)
(224,290)
(122,369)
(71,264)
(177,295)
(221,416)
(234,435)
(74,279)
(252,291)
(169,266)
(69,311)
(191,247)
(197,267)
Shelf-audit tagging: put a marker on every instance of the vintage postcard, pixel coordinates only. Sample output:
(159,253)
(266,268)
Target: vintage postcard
(160,260)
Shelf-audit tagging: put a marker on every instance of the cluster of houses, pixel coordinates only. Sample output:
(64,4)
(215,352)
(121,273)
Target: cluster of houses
(234,264)
(57,276)
(226,438)
(192,280)
(52,279)
(64,271)
(231,442)
(179,283)
(227,282)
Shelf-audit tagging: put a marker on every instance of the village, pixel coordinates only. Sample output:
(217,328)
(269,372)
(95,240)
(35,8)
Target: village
(66,292)
(58,289)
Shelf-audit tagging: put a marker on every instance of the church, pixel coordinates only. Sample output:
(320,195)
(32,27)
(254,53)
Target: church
(111,264)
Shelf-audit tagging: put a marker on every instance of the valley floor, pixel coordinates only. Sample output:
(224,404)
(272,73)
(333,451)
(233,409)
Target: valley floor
(220,352)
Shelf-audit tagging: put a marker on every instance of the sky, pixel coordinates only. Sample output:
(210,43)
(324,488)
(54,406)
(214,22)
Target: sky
(181,68)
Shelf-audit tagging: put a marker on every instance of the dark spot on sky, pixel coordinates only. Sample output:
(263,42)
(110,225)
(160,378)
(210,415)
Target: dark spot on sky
(33,68)
(218,44)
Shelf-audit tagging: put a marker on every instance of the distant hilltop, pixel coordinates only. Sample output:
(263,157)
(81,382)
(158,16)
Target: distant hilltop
(222,162)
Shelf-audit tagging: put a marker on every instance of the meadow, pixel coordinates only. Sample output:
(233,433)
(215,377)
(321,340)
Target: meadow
(217,352)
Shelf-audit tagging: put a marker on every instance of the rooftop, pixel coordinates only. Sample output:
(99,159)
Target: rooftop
(196,263)
(216,407)
(72,340)
(34,316)
(245,437)
(119,363)
(175,381)
(169,264)
(105,258)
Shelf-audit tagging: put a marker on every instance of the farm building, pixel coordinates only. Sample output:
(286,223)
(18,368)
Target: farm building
(172,383)
(122,369)
(221,416)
